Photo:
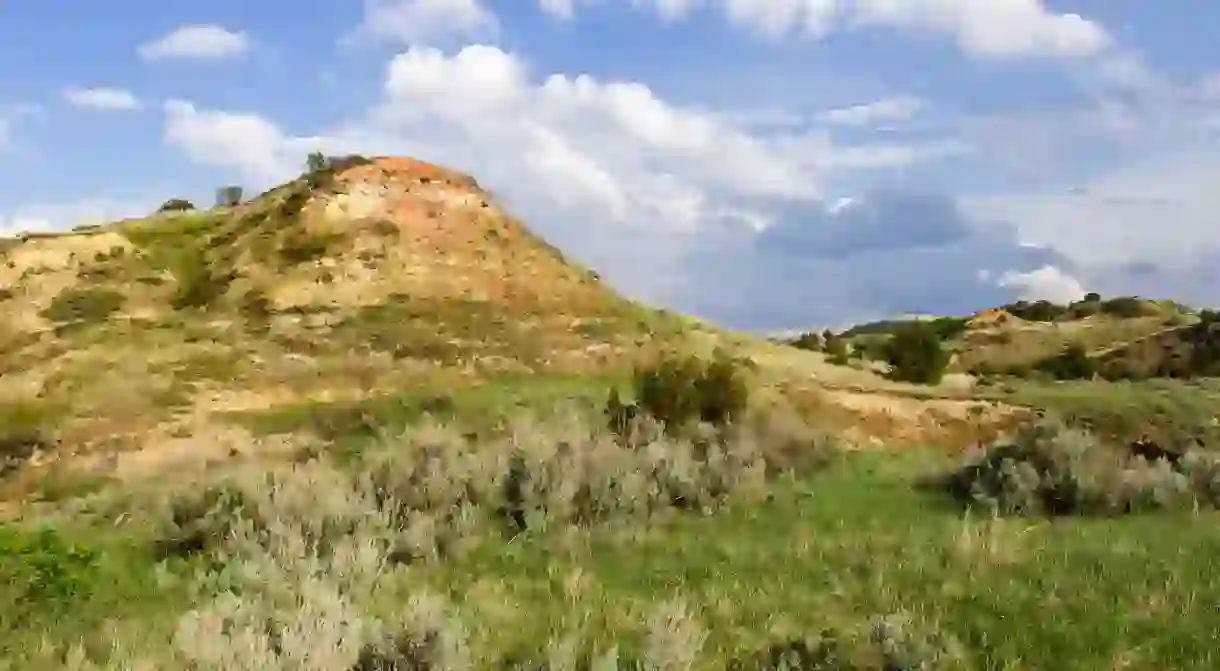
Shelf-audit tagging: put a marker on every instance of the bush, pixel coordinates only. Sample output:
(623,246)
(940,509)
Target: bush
(176,205)
(83,305)
(1074,363)
(1126,307)
(915,354)
(836,351)
(435,488)
(678,392)
(1037,311)
(228,196)
(808,341)
(1054,471)
(198,285)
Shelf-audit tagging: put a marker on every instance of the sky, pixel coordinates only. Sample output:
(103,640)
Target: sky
(764,164)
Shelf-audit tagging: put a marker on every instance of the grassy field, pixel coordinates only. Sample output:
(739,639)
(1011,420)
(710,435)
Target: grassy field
(852,555)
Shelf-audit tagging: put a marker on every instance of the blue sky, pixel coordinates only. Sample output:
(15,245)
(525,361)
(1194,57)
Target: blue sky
(768,164)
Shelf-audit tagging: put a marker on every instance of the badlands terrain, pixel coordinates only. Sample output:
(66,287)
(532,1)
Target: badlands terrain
(368,420)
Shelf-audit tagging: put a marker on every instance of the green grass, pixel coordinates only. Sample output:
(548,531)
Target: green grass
(833,552)
(480,408)
(68,583)
(1120,410)
(859,542)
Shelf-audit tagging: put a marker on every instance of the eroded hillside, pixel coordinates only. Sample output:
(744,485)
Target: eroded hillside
(358,279)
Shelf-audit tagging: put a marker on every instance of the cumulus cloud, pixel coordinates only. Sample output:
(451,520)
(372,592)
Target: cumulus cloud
(106,99)
(586,160)
(417,22)
(997,29)
(891,253)
(197,42)
(248,143)
(1047,283)
(1157,209)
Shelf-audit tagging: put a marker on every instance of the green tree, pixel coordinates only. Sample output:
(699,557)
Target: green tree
(176,205)
(809,341)
(1073,363)
(915,354)
(316,161)
(228,196)
(836,350)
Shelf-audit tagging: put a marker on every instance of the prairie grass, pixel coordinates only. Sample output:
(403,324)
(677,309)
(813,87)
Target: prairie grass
(558,545)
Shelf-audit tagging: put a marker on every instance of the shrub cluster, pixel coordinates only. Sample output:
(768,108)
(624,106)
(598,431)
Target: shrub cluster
(915,354)
(1050,470)
(299,550)
(679,392)
(811,341)
(176,205)
(1073,363)
(437,488)
(83,305)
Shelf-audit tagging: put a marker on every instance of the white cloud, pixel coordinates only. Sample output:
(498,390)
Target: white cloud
(200,41)
(602,133)
(998,29)
(1160,211)
(1045,283)
(418,22)
(102,98)
(841,205)
(64,216)
(581,158)
(899,108)
(248,143)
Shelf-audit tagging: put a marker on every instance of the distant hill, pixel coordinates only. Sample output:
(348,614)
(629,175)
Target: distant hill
(1015,338)
(1186,351)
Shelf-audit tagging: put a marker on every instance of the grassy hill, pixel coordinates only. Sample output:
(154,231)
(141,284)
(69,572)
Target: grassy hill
(361,421)
(367,277)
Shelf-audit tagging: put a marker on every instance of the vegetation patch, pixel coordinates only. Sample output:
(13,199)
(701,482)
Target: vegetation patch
(43,573)
(91,305)
(680,391)
(176,205)
(24,431)
(1054,471)
(915,354)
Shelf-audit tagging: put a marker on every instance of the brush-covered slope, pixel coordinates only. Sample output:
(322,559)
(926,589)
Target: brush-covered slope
(1183,352)
(369,275)
(1016,337)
